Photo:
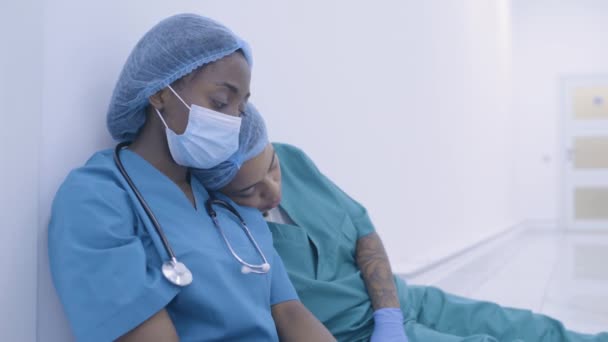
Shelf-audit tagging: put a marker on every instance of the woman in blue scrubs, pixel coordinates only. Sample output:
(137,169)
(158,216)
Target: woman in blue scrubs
(178,105)
(339,267)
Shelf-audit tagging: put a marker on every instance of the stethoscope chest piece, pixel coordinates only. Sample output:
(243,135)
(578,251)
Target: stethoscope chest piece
(174,271)
(177,273)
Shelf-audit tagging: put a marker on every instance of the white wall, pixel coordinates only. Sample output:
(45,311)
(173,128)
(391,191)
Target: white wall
(550,39)
(408,103)
(20,96)
(405,104)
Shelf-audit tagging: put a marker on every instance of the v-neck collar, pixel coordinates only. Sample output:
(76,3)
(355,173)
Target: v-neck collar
(139,164)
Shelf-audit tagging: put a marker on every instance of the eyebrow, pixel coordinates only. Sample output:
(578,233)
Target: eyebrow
(232,88)
(274,155)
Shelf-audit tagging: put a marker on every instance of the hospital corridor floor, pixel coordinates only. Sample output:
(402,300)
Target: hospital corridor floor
(560,274)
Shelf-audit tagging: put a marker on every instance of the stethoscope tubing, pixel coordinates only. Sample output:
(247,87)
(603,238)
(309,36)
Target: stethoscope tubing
(212,213)
(142,201)
(260,269)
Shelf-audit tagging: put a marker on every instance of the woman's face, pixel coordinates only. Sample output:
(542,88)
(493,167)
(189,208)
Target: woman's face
(258,182)
(222,86)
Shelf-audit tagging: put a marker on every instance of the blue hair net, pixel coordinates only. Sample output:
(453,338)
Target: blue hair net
(253,138)
(170,50)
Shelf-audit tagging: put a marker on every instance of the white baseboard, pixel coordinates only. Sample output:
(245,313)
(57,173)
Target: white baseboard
(430,271)
(543,224)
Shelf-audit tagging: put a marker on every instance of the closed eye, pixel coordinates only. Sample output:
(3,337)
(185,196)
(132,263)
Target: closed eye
(219,105)
(246,192)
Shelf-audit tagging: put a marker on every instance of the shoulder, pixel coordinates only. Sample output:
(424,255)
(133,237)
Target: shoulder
(293,157)
(300,174)
(98,176)
(287,149)
(89,194)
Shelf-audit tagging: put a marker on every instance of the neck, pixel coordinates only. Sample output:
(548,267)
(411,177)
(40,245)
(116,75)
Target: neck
(151,144)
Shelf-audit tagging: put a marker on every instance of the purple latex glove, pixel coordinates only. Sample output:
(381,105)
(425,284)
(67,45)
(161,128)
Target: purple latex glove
(388,326)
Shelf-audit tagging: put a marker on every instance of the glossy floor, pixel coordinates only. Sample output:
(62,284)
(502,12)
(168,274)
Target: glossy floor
(560,274)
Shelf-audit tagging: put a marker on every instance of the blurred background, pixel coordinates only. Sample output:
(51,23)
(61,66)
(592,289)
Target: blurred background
(474,131)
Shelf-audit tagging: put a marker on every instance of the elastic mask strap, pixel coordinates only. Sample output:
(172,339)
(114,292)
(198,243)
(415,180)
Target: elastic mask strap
(161,117)
(179,97)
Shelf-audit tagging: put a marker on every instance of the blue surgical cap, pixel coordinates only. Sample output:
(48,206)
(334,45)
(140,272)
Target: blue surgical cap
(253,138)
(170,50)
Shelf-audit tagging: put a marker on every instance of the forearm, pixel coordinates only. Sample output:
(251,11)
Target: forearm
(376,271)
(295,323)
(158,328)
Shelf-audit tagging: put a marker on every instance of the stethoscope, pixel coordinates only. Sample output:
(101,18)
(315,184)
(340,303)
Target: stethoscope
(173,270)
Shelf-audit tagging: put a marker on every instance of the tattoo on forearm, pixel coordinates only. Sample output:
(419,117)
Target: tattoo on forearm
(376,270)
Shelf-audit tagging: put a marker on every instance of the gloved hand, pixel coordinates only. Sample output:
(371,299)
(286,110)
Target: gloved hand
(388,326)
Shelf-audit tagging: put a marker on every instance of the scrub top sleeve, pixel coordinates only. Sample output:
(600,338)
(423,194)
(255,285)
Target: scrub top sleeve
(281,289)
(99,265)
(357,212)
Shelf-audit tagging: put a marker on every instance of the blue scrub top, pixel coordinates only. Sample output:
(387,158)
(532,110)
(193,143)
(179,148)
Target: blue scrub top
(105,258)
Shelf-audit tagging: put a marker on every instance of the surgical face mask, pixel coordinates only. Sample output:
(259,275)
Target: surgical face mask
(210,137)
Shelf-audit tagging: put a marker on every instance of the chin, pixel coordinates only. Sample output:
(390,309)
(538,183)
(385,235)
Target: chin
(265,210)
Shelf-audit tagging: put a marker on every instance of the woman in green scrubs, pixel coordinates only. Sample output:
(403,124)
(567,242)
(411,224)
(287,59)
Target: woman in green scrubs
(339,267)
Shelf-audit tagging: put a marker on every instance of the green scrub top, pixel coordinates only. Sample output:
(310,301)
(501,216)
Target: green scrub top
(319,250)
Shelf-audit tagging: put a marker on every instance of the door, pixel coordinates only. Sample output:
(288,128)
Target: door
(585,141)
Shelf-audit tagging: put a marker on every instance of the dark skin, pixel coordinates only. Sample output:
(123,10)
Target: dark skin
(376,270)
(258,182)
(224,87)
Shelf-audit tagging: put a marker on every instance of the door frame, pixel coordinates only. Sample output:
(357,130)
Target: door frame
(567,130)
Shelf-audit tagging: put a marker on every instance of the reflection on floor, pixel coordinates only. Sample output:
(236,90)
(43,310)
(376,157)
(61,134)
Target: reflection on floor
(560,274)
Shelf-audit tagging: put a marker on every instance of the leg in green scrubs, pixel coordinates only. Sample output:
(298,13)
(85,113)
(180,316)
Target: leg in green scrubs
(454,316)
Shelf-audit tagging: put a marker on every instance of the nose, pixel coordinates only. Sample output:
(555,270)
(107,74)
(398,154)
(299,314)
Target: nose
(272,193)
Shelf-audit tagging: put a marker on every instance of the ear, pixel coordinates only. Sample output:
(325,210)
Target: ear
(158,99)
